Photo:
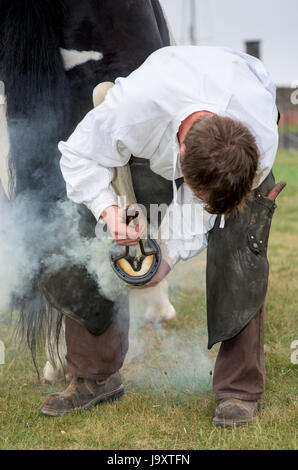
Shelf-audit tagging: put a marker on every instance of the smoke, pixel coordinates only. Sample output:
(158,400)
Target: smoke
(170,358)
(28,242)
(161,361)
(91,253)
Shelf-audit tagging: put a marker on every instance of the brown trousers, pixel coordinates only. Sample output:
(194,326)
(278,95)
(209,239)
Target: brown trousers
(239,369)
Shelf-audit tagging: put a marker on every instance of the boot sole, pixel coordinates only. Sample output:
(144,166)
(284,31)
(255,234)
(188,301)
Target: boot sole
(103,398)
(229,423)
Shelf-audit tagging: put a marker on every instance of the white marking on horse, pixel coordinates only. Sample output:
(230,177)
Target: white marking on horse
(73,58)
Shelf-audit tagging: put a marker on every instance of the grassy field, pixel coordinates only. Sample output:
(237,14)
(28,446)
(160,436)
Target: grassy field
(168,374)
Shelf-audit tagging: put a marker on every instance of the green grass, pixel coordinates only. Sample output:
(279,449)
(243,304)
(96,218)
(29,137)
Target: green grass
(169,402)
(286,169)
(288,128)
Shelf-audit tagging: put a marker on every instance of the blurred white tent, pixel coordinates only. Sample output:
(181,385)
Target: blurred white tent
(232,22)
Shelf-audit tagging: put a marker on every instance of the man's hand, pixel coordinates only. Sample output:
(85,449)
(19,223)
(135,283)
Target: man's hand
(123,234)
(163,270)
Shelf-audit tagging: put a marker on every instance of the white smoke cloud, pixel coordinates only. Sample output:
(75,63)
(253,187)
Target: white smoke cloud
(159,360)
(91,253)
(162,360)
(25,240)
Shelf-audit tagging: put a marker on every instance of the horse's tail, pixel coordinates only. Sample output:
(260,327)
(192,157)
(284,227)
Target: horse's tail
(37,93)
(36,87)
(31,65)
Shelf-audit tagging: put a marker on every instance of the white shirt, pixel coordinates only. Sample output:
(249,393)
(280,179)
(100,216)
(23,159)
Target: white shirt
(142,113)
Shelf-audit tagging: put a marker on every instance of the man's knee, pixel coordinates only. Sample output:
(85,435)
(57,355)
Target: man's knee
(97,357)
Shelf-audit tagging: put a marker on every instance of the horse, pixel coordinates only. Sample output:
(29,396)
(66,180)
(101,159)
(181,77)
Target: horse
(52,55)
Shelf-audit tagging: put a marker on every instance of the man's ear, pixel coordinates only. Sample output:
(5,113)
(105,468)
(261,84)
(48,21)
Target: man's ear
(182,151)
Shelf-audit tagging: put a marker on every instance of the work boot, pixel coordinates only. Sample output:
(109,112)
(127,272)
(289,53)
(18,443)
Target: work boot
(83,393)
(234,412)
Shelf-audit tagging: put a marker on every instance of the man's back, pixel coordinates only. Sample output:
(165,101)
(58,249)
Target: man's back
(142,113)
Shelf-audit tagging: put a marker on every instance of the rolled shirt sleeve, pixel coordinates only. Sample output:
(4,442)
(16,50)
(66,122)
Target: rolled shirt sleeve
(88,161)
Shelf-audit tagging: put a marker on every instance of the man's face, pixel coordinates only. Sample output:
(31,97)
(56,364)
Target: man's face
(201,194)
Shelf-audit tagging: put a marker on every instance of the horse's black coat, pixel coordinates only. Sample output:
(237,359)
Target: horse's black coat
(46,102)
(36,87)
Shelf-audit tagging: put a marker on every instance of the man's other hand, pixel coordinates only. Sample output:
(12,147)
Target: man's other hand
(124,235)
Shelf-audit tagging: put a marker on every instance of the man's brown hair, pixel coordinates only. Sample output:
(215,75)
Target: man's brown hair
(220,163)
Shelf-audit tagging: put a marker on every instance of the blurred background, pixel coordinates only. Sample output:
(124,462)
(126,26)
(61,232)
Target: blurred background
(266,29)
